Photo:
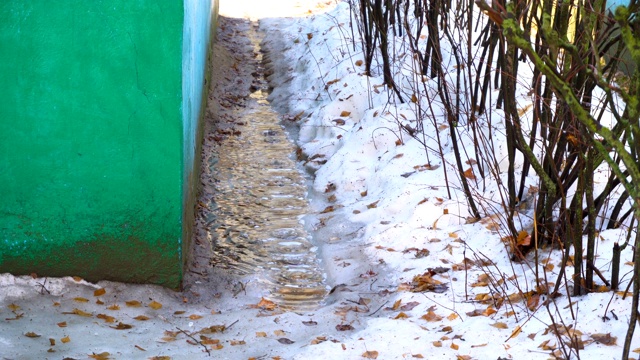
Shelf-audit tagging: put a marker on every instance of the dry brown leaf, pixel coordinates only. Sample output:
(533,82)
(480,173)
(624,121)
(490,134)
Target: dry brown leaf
(62,324)
(65,339)
(261,334)
(469,174)
(437,343)
(133,303)
(463,357)
(500,325)
(371,354)
(431,316)
(265,304)
(80,299)
(454,346)
(114,307)
(99,292)
(195,317)
(106,318)
(345,113)
(401,315)
(359,62)
(515,332)
(79,312)
(155,305)
(31,334)
(604,339)
(452,316)
(122,326)
(141,318)
(102,356)
(237,342)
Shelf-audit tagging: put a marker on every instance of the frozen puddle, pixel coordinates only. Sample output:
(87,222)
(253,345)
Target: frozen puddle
(255,219)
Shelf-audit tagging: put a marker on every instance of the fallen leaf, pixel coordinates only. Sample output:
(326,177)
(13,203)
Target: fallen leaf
(155,305)
(604,339)
(344,327)
(62,324)
(437,343)
(279,333)
(78,312)
(500,325)
(469,174)
(114,307)
(401,315)
(310,323)
(345,113)
(454,346)
(140,348)
(13,307)
(195,317)
(452,316)
(431,316)
(31,334)
(99,292)
(80,299)
(179,312)
(122,326)
(373,205)
(371,354)
(359,62)
(102,356)
(106,318)
(515,332)
(463,357)
(213,329)
(141,318)
(133,303)
(261,334)
(65,339)
(285,341)
(237,342)
(77,278)
(409,306)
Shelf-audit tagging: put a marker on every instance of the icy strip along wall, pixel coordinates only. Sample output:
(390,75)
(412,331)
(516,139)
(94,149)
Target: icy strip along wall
(100,125)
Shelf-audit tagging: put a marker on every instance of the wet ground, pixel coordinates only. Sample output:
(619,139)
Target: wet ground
(253,203)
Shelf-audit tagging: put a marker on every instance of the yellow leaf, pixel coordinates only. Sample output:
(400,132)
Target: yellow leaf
(489,311)
(141,318)
(77,278)
(79,312)
(80,299)
(65,339)
(370,354)
(99,292)
(279,333)
(455,346)
(359,63)
(515,332)
(396,305)
(155,305)
(106,318)
(500,325)
(265,304)
(133,303)
(13,307)
(401,315)
(437,343)
(195,317)
(261,334)
(452,316)
(345,113)
(113,307)
(102,356)
(453,235)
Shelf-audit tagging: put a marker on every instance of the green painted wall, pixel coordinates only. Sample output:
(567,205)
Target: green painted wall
(92,162)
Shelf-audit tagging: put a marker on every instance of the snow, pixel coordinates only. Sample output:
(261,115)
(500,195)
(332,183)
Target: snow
(392,220)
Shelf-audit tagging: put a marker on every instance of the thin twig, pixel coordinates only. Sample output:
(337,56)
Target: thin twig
(196,340)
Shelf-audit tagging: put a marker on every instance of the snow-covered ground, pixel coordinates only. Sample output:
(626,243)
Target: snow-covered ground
(409,277)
